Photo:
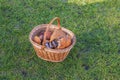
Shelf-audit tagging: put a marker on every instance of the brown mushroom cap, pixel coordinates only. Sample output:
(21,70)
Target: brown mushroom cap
(57,34)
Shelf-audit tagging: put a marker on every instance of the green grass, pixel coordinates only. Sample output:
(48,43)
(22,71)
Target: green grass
(96,24)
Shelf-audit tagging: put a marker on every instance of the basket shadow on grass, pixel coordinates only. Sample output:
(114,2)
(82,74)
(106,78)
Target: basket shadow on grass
(89,39)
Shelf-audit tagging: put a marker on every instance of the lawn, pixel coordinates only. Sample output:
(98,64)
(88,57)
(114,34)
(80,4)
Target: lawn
(95,56)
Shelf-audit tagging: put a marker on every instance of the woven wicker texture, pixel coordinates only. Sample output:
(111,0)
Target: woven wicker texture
(53,55)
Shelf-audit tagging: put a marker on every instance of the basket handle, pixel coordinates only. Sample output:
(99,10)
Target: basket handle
(59,27)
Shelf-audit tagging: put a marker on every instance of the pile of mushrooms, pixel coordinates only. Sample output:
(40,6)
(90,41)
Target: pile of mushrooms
(56,39)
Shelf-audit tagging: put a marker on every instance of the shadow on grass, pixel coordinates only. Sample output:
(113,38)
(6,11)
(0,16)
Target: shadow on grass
(91,24)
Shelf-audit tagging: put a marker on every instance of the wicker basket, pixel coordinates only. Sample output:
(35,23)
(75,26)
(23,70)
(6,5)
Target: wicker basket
(53,55)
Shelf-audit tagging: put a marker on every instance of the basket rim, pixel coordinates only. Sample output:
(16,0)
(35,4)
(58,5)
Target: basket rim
(48,49)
